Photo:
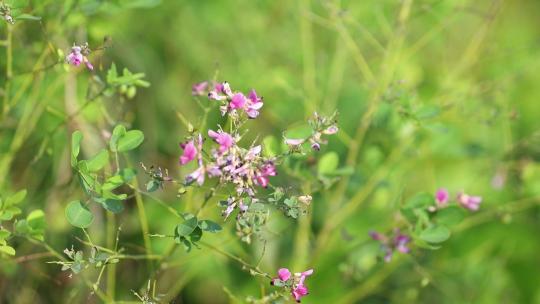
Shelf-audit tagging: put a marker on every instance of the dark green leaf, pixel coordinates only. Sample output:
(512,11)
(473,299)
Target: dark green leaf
(209,226)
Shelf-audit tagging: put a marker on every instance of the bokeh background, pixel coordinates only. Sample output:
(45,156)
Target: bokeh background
(449,88)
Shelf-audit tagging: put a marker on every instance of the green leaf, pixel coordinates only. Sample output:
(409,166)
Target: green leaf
(328,163)
(27,17)
(210,226)
(131,140)
(15,198)
(186,228)
(141,3)
(78,215)
(97,162)
(196,235)
(420,200)
(450,216)
(36,220)
(435,234)
(152,186)
(7,250)
(114,206)
(117,133)
(270,146)
(76,139)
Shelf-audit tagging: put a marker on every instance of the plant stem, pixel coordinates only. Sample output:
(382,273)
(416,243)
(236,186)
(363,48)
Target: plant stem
(111,270)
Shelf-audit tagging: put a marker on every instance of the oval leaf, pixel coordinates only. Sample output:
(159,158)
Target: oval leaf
(97,162)
(209,226)
(78,215)
(131,140)
(76,139)
(186,228)
(435,234)
(328,163)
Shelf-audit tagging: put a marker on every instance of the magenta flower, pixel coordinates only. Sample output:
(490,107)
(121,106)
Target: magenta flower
(398,242)
(468,201)
(78,55)
(238,101)
(284,274)
(254,104)
(75,57)
(199,89)
(225,140)
(331,130)
(199,173)
(401,241)
(267,170)
(296,283)
(190,152)
(441,197)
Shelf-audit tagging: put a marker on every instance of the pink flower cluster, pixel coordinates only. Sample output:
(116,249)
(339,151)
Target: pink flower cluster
(396,242)
(79,55)
(244,168)
(232,102)
(442,198)
(294,283)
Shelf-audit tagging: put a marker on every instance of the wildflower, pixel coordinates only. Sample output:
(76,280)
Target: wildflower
(190,152)
(296,283)
(468,201)
(238,101)
(333,129)
(199,89)
(199,173)
(79,55)
(254,104)
(294,141)
(441,197)
(225,140)
(262,177)
(398,242)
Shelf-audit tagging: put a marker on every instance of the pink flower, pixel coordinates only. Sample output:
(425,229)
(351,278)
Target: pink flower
(254,104)
(468,201)
(401,242)
(299,292)
(199,89)
(190,152)
(267,170)
(77,56)
(238,101)
(294,141)
(441,197)
(331,130)
(225,140)
(197,175)
(284,274)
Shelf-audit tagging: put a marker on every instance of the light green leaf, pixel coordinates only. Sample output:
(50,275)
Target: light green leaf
(27,17)
(186,228)
(435,234)
(131,140)
(117,133)
(7,250)
(76,139)
(15,198)
(97,162)
(450,216)
(78,215)
(328,163)
(420,200)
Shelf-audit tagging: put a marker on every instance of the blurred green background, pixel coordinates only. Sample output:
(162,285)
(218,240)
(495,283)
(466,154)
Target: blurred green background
(445,91)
